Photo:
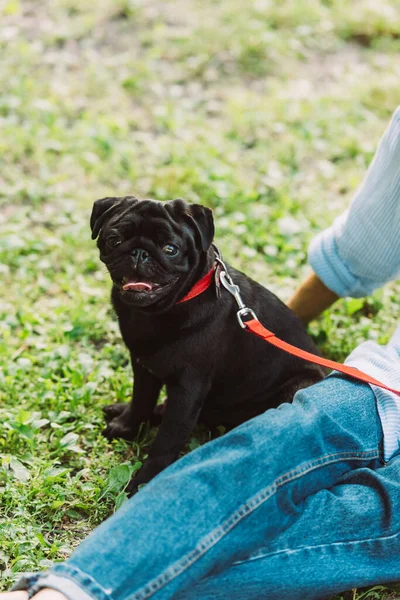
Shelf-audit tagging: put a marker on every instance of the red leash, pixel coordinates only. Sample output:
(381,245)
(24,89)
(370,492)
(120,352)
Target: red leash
(220,272)
(254,326)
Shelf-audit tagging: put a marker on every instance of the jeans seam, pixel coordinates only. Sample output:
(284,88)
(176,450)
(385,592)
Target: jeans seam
(316,546)
(244,510)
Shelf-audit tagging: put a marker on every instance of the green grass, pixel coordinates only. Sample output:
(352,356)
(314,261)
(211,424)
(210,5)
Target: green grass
(268,112)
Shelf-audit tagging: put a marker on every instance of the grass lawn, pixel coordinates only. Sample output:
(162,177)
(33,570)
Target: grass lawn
(268,112)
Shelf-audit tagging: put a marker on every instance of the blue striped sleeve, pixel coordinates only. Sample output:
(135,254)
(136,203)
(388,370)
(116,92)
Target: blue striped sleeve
(361,250)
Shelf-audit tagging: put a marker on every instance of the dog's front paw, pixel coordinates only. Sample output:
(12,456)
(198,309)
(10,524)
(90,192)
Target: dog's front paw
(133,487)
(141,478)
(115,429)
(121,426)
(114,410)
(151,468)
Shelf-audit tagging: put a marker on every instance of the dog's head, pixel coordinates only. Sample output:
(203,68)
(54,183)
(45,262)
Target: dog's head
(153,250)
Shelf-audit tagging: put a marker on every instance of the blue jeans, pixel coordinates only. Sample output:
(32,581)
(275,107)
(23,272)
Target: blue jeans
(294,504)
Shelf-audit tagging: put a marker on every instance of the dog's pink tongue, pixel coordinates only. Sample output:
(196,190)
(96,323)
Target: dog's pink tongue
(138,286)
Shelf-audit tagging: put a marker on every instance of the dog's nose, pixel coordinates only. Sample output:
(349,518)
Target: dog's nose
(140,255)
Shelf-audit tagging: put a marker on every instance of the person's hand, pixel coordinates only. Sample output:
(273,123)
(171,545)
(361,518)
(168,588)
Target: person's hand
(45,594)
(311,299)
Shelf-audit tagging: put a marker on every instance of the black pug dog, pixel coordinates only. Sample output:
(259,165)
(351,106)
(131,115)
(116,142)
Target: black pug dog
(215,372)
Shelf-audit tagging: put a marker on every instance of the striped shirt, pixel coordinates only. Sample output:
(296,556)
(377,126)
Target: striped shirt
(359,253)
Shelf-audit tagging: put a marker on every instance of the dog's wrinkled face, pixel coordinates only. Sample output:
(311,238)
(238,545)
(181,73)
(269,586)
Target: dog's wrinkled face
(151,249)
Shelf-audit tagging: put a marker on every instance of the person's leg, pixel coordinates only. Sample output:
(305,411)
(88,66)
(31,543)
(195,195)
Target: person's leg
(346,537)
(229,498)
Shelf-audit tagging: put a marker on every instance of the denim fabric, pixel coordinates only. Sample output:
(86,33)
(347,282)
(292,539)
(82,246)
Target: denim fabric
(345,537)
(236,500)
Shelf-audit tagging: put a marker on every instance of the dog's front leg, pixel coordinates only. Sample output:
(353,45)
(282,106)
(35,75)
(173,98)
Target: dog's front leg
(124,420)
(185,400)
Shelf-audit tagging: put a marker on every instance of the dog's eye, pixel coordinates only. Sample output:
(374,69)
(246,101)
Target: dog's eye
(170,250)
(113,241)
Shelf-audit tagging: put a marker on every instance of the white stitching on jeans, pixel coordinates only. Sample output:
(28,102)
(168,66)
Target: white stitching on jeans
(217,534)
(316,546)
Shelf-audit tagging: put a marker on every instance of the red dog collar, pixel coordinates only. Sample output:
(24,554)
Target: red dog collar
(201,286)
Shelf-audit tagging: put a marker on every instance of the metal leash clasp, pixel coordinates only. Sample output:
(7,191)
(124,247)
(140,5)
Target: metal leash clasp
(234,290)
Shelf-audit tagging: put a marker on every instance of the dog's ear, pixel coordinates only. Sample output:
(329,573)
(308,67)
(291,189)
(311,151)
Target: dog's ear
(204,224)
(103,209)
(99,214)
(200,219)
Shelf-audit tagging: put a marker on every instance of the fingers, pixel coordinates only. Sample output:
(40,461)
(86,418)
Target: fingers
(47,594)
